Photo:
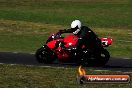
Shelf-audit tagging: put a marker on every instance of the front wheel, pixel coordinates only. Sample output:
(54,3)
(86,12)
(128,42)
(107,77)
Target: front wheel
(45,55)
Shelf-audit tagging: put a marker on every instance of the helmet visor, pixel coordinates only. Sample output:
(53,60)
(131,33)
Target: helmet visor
(74,29)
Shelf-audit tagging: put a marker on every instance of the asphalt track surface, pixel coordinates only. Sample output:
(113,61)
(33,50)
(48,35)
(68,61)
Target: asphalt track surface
(114,64)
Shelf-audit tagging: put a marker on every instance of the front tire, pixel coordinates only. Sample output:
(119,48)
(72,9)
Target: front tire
(45,55)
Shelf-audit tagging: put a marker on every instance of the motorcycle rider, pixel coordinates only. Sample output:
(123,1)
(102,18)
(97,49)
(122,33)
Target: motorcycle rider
(85,36)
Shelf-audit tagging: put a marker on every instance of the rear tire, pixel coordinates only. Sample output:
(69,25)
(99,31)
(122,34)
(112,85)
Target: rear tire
(45,55)
(104,58)
(100,60)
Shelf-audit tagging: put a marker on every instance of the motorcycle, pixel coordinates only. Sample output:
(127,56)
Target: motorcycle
(62,49)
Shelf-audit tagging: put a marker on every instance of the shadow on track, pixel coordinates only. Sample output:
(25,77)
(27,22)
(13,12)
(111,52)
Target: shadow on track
(114,64)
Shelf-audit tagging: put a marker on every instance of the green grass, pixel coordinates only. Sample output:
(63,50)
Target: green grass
(24,36)
(18,76)
(97,13)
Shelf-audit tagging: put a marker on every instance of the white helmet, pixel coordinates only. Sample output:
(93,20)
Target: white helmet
(76,25)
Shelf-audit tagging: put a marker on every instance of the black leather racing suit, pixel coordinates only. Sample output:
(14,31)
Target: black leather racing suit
(88,38)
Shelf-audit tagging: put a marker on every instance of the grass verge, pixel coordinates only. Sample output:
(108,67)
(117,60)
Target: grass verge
(18,76)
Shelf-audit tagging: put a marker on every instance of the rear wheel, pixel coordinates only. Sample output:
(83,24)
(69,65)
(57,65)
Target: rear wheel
(45,55)
(105,56)
(100,60)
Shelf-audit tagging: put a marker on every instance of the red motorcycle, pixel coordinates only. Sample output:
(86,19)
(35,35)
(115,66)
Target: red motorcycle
(62,49)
